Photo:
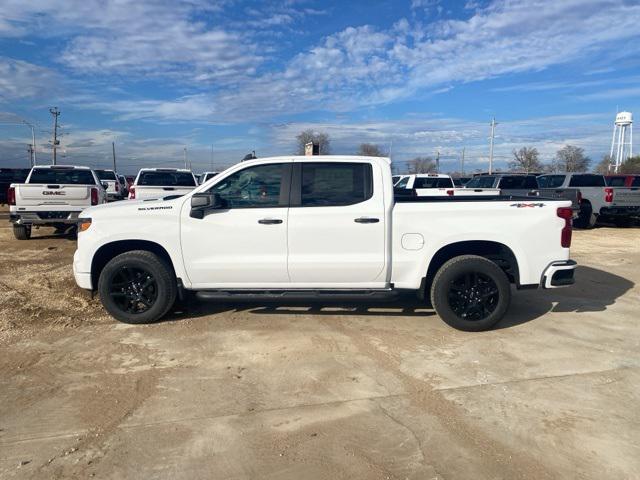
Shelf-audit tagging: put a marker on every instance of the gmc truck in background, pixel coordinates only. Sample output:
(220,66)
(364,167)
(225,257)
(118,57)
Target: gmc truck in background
(162,182)
(53,196)
(322,226)
(618,204)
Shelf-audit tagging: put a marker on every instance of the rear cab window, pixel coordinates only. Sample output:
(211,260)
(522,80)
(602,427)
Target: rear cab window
(105,174)
(62,176)
(551,181)
(587,181)
(166,179)
(481,182)
(333,184)
(432,182)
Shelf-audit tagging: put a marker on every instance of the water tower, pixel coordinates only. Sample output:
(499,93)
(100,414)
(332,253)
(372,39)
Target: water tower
(622,141)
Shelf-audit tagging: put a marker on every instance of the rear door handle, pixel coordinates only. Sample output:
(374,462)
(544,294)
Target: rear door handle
(269,221)
(366,220)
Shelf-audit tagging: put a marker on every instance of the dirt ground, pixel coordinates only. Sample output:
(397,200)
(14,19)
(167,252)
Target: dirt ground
(311,391)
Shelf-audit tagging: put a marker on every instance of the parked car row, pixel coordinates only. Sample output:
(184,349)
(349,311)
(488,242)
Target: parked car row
(613,198)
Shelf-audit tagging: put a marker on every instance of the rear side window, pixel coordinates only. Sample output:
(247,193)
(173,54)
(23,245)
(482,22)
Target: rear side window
(432,182)
(551,181)
(519,181)
(62,177)
(335,184)
(167,179)
(105,174)
(587,181)
(481,182)
(616,181)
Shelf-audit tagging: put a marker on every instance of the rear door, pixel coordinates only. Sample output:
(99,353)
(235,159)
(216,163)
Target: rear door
(337,228)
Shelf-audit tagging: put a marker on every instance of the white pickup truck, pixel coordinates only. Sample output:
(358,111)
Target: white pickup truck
(437,184)
(597,200)
(162,182)
(322,225)
(111,182)
(54,196)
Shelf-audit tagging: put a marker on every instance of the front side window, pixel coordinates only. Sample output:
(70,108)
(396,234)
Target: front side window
(335,184)
(253,187)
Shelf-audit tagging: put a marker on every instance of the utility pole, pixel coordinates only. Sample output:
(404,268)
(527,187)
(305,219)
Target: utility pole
(211,169)
(437,161)
(493,133)
(56,113)
(462,162)
(185,158)
(113,149)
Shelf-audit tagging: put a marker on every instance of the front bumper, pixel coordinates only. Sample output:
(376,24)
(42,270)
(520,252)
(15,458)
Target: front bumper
(83,279)
(44,218)
(559,274)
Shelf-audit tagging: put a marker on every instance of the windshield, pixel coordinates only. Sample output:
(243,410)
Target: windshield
(432,182)
(167,179)
(480,182)
(105,174)
(62,177)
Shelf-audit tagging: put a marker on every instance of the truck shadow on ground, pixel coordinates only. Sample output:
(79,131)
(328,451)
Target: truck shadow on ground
(594,291)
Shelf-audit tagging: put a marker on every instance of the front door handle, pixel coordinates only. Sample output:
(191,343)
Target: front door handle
(269,221)
(366,220)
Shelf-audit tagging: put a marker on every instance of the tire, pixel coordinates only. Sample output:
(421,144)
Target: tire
(586,217)
(137,287)
(22,232)
(475,276)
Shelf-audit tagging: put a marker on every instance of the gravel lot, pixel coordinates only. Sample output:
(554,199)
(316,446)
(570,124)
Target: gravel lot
(306,391)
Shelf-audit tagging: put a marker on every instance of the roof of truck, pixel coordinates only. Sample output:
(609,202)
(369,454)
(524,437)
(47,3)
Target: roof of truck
(63,167)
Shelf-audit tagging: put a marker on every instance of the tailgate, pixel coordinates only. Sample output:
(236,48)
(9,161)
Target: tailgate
(34,195)
(626,197)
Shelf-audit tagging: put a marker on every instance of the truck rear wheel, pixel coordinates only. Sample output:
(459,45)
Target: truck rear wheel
(586,218)
(22,232)
(470,293)
(137,287)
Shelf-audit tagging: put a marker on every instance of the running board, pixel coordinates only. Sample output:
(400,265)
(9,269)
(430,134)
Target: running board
(342,294)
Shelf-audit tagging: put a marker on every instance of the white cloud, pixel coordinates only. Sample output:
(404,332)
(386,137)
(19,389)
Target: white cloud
(19,79)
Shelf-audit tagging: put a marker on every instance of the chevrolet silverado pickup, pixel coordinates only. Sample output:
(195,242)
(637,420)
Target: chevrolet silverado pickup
(53,196)
(597,200)
(322,225)
(162,182)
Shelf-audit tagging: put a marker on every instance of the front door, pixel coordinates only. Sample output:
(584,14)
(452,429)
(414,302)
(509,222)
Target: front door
(337,226)
(243,245)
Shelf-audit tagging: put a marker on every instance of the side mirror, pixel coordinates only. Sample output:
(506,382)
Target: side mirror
(201,202)
(105,185)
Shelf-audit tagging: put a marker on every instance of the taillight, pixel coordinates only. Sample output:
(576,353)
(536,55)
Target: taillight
(565,236)
(117,187)
(132,193)
(450,192)
(608,195)
(11,196)
(94,196)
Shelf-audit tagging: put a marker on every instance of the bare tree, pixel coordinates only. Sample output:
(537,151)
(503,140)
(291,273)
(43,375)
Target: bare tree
(421,165)
(370,150)
(525,160)
(604,166)
(318,138)
(571,159)
(631,165)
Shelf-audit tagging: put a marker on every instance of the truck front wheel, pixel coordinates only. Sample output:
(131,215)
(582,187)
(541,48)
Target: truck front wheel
(22,232)
(137,287)
(470,293)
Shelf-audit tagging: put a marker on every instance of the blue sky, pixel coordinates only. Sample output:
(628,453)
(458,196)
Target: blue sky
(416,77)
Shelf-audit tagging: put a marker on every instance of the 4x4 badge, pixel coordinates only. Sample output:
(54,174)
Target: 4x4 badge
(527,205)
